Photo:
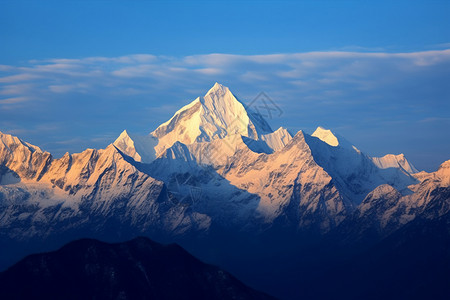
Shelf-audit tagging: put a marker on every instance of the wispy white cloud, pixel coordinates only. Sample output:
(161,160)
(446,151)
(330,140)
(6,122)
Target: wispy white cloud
(434,119)
(13,100)
(67,88)
(141,70)
(16,89)
(18,77)
(440,46)
(317,69)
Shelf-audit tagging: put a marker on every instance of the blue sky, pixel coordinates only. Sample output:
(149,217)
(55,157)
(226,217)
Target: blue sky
(74,74)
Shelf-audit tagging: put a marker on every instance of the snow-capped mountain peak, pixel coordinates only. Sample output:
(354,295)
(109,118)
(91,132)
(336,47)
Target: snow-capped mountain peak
(385,162)
(218,89)
(10,141)
(126,145)
(140,148)
(326,136)
(335,140)
(394,161)
(215,116)
(277,139)
(444,173)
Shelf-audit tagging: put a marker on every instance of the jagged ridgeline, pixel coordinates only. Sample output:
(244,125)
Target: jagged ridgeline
(215,171)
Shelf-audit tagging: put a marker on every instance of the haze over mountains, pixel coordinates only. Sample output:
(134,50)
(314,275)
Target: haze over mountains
(215,169)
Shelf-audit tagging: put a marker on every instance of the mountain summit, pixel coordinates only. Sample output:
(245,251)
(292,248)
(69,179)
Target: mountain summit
(218,119)
(326,136)
(215,116)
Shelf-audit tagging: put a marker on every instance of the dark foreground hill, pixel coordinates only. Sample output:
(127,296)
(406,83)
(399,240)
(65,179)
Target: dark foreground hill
(137,269)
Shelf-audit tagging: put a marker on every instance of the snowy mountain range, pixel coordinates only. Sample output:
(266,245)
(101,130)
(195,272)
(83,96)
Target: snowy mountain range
(216,163)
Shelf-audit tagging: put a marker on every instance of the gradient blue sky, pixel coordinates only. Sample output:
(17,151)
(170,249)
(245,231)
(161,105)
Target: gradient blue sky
(74,74)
